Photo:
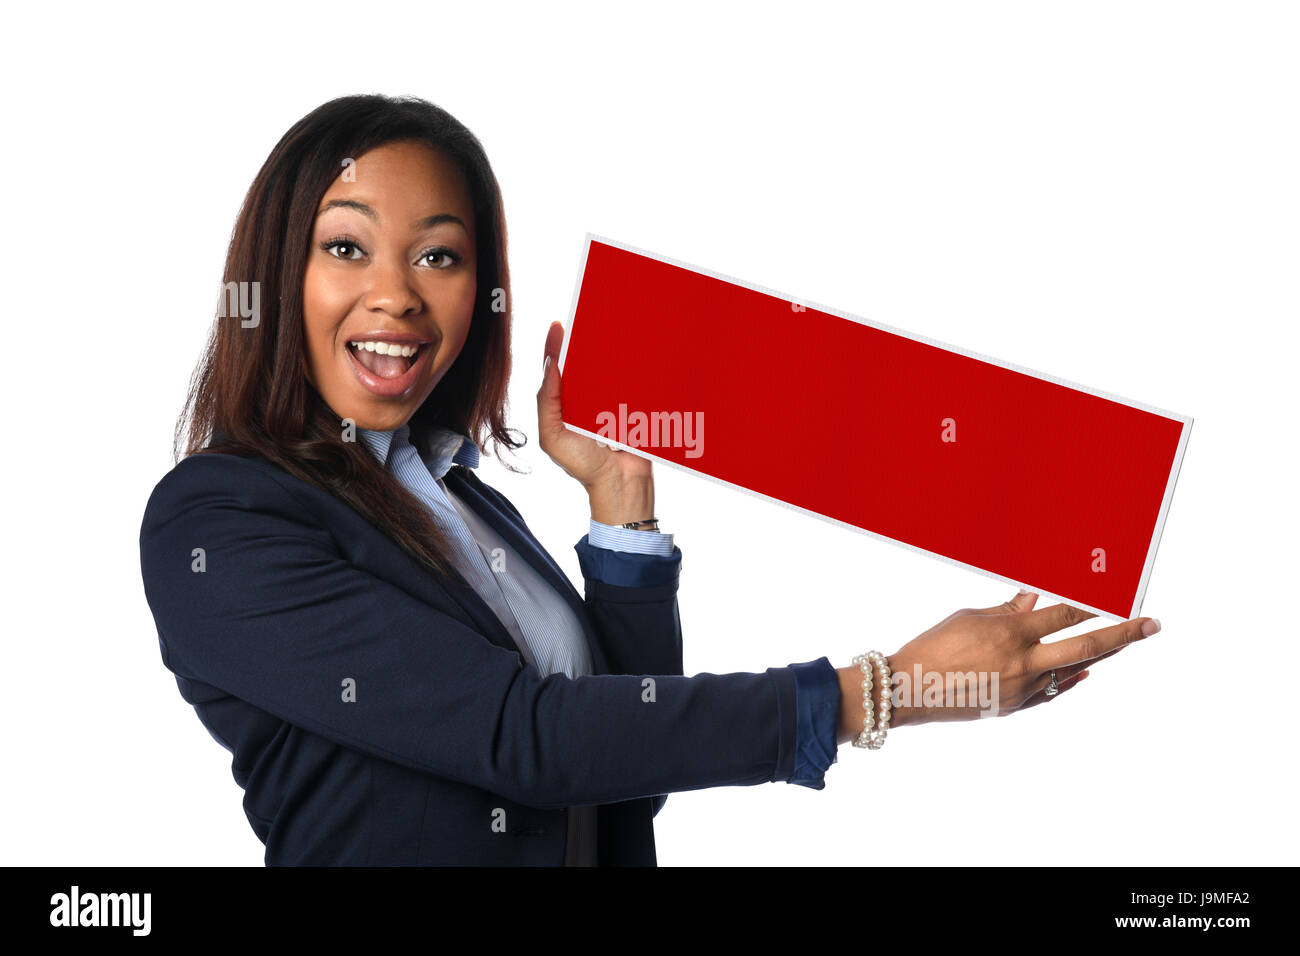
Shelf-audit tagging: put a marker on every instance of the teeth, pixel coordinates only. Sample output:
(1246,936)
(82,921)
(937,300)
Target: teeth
(385,348)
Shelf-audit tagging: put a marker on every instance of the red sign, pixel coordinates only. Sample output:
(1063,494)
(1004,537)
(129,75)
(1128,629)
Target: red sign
(1010,472)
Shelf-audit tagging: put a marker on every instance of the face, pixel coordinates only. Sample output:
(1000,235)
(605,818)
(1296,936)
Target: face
(390,284)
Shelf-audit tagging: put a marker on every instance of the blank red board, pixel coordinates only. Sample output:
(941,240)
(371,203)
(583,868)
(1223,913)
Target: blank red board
(1012,473)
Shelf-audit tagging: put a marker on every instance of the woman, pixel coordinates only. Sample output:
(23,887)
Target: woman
(402,673)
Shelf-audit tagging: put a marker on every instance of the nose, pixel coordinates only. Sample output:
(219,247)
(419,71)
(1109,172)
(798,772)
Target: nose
(392,291)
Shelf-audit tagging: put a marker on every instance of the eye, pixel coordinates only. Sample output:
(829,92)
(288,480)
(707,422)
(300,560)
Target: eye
(341,243)
(442,252)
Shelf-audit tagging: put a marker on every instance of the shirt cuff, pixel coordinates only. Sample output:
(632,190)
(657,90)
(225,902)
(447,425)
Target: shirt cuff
(817,709)
(625,539)
(628,569)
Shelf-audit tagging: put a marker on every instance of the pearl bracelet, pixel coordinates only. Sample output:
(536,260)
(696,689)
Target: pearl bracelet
(870,738)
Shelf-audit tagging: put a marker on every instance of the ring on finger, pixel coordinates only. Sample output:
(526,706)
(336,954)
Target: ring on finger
(1052,690)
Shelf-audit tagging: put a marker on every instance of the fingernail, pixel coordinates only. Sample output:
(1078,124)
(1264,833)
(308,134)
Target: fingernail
(1150,627)
(1024,591)
(546,365)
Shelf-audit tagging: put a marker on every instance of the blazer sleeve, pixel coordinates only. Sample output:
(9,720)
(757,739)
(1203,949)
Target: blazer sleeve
(632,599)
(280,618)
(632,602)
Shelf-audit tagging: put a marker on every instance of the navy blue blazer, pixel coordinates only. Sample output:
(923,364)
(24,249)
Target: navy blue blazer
(454,750)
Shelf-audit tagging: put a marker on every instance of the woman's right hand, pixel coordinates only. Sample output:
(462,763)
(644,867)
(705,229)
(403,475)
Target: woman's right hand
(620,485)
(1004,641)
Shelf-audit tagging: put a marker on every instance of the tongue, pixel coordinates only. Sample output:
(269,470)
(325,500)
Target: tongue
(385,366)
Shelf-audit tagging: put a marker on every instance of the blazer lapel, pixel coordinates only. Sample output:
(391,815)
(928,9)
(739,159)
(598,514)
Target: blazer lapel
(474,605)
(467,488)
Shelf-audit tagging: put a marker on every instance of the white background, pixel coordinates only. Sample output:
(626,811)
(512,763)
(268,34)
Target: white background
(1105,192)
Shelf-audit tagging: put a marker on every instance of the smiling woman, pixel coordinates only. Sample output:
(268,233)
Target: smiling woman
(389,292)
(401,671)
(355,260)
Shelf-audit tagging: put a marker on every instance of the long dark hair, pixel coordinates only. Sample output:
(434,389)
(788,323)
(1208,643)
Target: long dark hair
(250,394)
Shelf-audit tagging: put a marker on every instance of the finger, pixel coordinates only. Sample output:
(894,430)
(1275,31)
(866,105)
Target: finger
(1024,601)
(1061,687)
(1085,665)
(551,354)
(1048,620)
(549,419)
(1064,676)
(1069,670)
(554,340)
(1093,645)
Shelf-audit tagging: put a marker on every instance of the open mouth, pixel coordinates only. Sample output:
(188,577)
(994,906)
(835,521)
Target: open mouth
(387,360)
(391,369)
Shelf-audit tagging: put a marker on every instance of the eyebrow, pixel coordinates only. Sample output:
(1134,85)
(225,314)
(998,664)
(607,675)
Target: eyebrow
(428,222)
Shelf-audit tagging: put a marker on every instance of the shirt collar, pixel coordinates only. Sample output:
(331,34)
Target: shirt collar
(441,449)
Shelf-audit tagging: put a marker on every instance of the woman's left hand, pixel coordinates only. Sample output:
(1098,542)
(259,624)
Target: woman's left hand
(619,484)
